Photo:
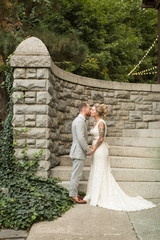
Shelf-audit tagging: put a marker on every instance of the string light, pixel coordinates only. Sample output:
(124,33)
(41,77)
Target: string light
(145,72)
(143,57)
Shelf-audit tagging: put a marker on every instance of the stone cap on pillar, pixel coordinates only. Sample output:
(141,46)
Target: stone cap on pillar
(31,52)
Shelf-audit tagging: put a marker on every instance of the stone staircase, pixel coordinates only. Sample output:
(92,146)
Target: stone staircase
(135,163)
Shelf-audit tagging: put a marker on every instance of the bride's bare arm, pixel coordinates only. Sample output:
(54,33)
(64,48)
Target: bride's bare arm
(101,127)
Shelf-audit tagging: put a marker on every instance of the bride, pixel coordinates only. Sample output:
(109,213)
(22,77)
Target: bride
(102,189)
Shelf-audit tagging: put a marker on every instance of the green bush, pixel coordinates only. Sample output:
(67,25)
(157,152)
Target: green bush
(24,198)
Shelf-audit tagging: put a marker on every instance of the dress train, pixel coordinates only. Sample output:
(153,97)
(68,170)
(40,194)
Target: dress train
(102,189)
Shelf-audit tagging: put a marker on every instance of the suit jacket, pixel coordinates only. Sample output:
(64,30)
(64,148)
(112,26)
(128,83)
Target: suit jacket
(79,148)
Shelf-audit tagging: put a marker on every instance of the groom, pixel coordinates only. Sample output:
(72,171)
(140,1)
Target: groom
(79,150)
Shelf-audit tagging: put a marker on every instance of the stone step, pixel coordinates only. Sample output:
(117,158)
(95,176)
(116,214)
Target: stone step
(133,141)
(134,152)
(143,189)
(142,133)
(120,174)
(133,162)
(120,162)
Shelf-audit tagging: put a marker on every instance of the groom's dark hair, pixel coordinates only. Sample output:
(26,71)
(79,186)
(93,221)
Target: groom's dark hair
(81,106)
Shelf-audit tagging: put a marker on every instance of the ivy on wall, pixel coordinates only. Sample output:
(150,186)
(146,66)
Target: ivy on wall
(25,198)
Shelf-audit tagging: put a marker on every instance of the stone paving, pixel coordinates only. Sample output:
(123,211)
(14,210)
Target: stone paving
(84,222)
(9,234)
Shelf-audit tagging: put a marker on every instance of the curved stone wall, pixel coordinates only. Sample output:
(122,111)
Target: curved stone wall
(46,100)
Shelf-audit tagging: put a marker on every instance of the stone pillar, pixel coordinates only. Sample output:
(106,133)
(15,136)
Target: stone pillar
(32,121)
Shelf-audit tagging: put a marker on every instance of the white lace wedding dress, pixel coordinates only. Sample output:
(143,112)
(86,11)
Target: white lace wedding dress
(103,190)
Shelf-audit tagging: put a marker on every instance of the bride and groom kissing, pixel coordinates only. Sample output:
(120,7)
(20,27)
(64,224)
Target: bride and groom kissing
(102,189)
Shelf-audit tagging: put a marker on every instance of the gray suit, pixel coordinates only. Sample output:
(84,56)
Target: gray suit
(78,152)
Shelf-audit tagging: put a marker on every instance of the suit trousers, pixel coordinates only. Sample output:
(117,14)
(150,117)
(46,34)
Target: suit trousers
(77,170)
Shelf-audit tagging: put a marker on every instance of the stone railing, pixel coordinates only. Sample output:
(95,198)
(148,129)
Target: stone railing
(46,100)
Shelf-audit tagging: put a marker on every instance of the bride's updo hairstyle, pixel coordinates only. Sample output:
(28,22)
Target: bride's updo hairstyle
(101,109)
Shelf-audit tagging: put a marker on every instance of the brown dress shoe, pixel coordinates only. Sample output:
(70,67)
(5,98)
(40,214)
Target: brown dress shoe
(78,200)
(80,197)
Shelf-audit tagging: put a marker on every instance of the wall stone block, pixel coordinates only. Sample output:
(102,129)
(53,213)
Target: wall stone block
(135,116)
(24,84)
(55,147)
(31,143)
(73,112)
(71,103)
(110,101)
(87,92)
(30,117)
(128,106)
(154,125)
(42,121)
(18,121)
(67,126)
(30,109)
(136,98)
(151,97)
(79,89)
(30,123)
(34,133)
(60,117)
(43,97)
(31,73)
(30,61)
(43,73)
(109,94)
(129,125)
(30,153)
(116,107)
(18,97)
(70,85)
(54,122)
(95,95)
(42,143)
(43,166)
(119,113)
(122,94)
(141,125)
(30,94)
(20,143)
(143,107)
(156,107)
(110,123)
(66,93)
(19,73)
(54,160)
(61,105)
(84,97)
(53,136)
(151,118)
(30,100)
(66,137)
(75,95)
(52,112)
(125,118)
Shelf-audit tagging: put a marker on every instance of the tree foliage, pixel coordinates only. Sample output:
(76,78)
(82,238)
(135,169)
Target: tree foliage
(97,38)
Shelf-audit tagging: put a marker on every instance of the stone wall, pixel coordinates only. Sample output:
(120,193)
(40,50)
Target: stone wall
(46,100)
